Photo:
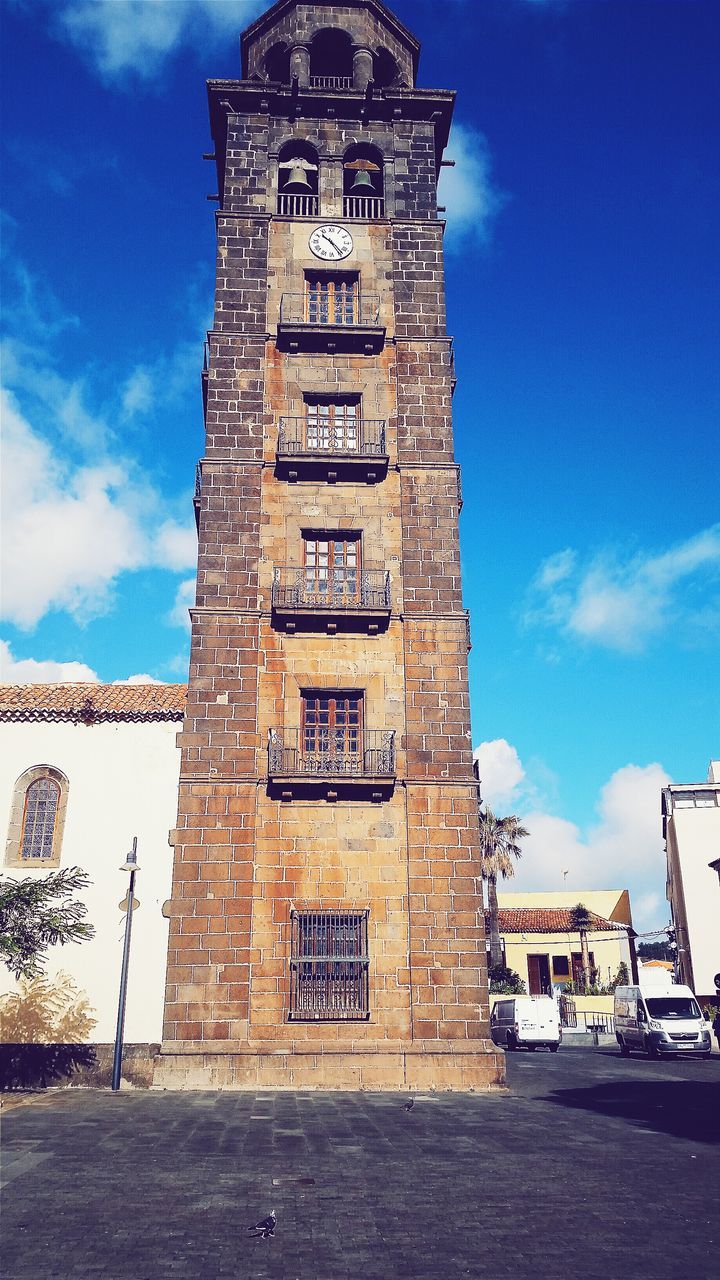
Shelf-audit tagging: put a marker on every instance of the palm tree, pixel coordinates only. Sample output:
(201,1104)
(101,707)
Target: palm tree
(499,845)
(581,921)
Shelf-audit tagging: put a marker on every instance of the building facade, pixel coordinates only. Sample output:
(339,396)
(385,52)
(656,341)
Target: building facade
(541,945)
(326,917)
(83,769)
(691,828)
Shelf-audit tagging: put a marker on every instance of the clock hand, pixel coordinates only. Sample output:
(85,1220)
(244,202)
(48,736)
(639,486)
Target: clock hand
(330,240)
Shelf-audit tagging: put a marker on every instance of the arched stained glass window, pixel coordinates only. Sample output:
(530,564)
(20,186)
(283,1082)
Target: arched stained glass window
(37,818)
(41,806)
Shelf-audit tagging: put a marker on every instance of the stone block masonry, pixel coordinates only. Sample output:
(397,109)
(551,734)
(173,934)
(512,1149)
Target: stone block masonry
(258,853)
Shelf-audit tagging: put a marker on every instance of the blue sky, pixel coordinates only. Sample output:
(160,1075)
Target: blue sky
(582,289)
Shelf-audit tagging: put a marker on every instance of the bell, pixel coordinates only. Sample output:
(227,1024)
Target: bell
(297,180)
(363,184)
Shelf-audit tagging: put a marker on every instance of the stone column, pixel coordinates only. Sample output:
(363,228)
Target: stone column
(300,65)
(362,68)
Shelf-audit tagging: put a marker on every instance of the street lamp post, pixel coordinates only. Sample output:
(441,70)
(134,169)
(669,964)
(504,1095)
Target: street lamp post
(130,864)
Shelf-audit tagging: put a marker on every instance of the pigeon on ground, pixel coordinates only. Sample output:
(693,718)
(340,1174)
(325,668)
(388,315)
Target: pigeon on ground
(265,1228)
(409,1104)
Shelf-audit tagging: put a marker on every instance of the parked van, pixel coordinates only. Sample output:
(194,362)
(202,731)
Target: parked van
(660,1020)
(526,1021)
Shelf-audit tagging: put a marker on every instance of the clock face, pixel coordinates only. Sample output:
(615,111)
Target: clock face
(331,243)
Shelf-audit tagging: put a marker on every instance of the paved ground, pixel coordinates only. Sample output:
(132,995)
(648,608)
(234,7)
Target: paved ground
(590,1166)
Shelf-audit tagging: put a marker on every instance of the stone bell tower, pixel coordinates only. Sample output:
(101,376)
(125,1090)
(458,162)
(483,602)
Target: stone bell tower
(326,923)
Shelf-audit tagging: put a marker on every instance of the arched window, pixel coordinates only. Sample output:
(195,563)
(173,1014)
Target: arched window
(277,64)
(37,818)
(363,189)
(298,180)
(386,70)
(331,60)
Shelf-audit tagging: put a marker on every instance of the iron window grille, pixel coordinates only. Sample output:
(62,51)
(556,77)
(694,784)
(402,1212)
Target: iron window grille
(329,965)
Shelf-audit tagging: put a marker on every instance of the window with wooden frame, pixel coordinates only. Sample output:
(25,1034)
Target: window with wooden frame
(37,818)
(332,567)
(332,426)
(332,297)
(329,965)
(332,726)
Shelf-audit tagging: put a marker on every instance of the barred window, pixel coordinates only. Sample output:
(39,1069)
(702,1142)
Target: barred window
(329,966)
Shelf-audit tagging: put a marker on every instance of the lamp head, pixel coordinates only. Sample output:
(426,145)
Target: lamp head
(130,863)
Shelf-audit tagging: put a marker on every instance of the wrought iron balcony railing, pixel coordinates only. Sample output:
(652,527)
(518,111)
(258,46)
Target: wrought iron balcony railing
(368,207)
(363,436)
(331,82)
(298,206)
(324,754)
(323,311)
(197,496)
(333,588)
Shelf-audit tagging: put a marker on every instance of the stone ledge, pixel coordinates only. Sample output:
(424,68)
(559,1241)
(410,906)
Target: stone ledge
(479,1065)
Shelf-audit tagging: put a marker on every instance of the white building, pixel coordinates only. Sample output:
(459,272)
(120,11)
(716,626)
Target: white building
(691,827)
(83,769)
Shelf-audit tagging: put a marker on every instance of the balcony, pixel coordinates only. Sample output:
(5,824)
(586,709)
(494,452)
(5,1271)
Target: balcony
(197,496)
(332,599)
(313,323)
(330,449)
(300,767)
(331,82)
(369,208)
(298,206)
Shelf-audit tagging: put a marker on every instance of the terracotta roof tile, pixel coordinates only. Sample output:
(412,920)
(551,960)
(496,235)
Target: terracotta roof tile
(547,920)
(92,703)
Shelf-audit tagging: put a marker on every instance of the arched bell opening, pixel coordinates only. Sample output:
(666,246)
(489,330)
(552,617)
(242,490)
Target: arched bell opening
(276,64)
(331,60)
(363,182)
(386,71)
(298,180)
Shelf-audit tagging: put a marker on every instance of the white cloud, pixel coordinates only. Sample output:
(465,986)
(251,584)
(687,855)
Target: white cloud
(30,671)
(49,671)
(67,534)
(138,36)
(140,679)
(138,396)
(175,546)
(184,600)
(500,772)
(623,849)
(622,603)
(72,529)
(468,191)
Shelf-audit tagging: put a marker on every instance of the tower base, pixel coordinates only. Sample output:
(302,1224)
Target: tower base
(429,1065)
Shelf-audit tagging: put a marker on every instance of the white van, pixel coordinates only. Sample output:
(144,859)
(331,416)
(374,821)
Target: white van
(528,1021)
(660,1020)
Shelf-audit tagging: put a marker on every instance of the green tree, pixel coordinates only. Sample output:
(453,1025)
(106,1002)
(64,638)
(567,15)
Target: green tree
(654,951)
(581,920)
(499,847)
(505,982)
(621,979)
(37,914)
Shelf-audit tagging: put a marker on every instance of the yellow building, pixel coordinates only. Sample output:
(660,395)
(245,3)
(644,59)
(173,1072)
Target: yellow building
(544,949)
